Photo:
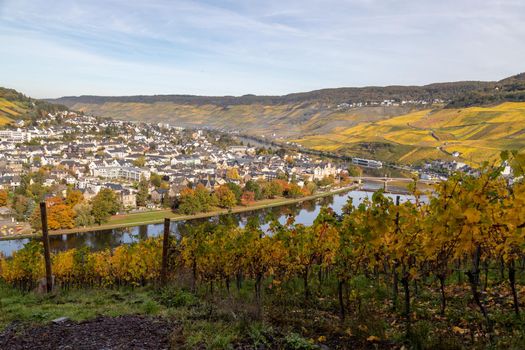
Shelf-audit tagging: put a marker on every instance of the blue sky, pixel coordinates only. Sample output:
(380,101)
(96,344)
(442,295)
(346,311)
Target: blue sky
(127,47)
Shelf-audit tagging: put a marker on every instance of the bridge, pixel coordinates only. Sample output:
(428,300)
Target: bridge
(385,180)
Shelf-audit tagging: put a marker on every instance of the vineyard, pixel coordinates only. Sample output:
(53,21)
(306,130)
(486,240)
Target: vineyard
(446,272)
(477,133)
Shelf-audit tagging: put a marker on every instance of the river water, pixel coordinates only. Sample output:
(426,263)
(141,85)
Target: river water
(304,212)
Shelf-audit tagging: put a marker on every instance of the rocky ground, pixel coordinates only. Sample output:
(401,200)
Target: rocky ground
(124,332)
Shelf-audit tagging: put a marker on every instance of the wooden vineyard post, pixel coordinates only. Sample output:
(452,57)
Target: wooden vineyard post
(395,277)
(47,255)
(165,246)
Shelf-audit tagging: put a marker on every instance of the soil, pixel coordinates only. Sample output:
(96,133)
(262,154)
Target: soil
(124,332)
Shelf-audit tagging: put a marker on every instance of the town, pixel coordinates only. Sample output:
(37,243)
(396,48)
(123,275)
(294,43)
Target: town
(90,168)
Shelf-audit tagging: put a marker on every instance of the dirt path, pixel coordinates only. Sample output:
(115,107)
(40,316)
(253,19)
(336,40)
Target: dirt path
(125,332)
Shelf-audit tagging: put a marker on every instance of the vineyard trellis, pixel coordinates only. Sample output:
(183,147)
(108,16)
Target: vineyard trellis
(468,225)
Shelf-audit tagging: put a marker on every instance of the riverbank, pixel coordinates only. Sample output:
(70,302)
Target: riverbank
(158,216)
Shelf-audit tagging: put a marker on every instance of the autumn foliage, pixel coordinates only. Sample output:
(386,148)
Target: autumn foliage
(466,225)
(3,198)
(59,215)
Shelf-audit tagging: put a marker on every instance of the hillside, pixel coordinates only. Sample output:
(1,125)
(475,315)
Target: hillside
(477,133)
(290,115)
(351,120)
(14,105)
(445,91)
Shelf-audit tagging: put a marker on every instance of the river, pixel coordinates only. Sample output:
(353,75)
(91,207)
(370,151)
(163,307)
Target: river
(305,213)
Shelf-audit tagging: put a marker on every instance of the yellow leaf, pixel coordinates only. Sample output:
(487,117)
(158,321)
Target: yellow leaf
(472,215)
(373,338)
(459,330)
(321,339)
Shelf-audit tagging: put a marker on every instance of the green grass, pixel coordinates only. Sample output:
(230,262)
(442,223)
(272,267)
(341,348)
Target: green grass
(141,217)
(224,320)
(78,304)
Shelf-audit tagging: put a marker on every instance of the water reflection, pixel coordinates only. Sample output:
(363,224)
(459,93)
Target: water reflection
(304,212)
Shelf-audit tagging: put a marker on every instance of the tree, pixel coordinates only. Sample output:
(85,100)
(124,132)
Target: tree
(196,200)
(354,171)
(59,215)
(294,191)
(236,189)
(226,197)
(272,189)
(311,187)
(205,198)
(326,181)
(83,215)
(104,204)
(73,197)
(252,186)
(139,162)
(23,207)
(247,198)
(3,198)
(155,179)
(143,192)
(232,173)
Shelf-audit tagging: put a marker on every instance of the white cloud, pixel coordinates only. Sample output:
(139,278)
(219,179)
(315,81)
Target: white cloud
(254,46)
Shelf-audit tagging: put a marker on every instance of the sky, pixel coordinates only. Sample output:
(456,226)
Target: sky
(267,47)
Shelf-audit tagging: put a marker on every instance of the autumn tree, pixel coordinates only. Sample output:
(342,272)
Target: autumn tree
(73,197)
(59,215)
(272,189)
(155,179)
(253,186)
(232,173)
(294,191)
(226,197)
(140,162)
(23,207)
(205,199)
(247,198)
(188,203)
(3,198)
(354,171)
(236,189)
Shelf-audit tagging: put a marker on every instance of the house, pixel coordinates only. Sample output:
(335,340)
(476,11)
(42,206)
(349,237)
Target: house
(158,195)
(128,198)
(324,170)
(7,214)
(186,160)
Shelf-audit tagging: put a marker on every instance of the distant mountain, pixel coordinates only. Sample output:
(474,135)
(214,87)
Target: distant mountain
(511,89)
(443,91)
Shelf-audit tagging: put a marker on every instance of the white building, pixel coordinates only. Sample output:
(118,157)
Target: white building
(115,172)
(14,136)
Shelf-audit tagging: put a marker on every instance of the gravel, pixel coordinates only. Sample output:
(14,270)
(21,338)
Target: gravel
(124,332)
